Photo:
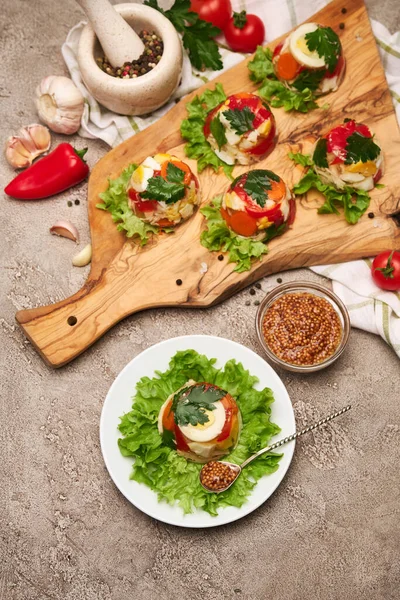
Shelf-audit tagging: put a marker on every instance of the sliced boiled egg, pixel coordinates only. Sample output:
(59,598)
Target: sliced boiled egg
(140,177)
(160,158)
(364,168)
(204,432)
(299,49)
(153,163)
(232,200)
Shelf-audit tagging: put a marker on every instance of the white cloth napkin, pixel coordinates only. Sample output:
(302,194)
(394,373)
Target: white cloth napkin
(370,308)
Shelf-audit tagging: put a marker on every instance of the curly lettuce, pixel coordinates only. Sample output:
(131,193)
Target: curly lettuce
(171,476)
(115,201)
(218,237)
(192,130)
(353,201)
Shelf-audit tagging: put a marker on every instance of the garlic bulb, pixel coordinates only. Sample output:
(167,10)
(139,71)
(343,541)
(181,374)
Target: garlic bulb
(59,104)
(31,141)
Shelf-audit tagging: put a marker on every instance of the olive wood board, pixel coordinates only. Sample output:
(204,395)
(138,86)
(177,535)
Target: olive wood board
(125,278)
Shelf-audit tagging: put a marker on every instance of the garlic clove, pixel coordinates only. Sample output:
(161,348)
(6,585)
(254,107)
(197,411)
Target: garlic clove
(59,104)
(84,257)
(22,149)
(65,229)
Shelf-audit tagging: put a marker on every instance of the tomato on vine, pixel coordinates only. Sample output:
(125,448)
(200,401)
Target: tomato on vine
(385,270)
(244,32)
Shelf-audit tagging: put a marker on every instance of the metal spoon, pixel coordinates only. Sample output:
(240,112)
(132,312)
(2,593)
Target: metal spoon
(237,469)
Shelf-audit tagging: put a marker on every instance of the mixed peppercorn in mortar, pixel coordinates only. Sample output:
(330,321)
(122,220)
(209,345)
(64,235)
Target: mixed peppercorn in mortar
(302,328)
(150,57)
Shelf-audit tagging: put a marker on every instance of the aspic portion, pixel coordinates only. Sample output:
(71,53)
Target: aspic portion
(348,155)
(258,204)
(241,129)
(163,191)
(200,421)
(310,57)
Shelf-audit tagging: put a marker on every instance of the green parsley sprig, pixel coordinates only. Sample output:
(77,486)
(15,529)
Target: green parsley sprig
(189,405)
(354,202)
(257,184)
(197,34)
(327,45)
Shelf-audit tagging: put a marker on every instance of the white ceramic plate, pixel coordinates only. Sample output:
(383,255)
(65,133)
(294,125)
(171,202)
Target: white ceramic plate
(119,401)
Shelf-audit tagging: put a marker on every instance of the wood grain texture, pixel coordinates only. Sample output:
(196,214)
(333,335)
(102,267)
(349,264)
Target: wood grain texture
(125,279)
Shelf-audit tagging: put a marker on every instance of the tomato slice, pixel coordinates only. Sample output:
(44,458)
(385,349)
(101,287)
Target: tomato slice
(180,440)
(181,165)
(168,417)
(142,205)
(292,211)
(337,138)
(240,222)
(377,175)
(338,69)
(277,49)
(231,409)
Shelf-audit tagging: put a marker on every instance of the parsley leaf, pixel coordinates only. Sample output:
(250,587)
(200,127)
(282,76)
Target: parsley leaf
(257,185)
(308,80)
(360,148)
(304,160)
(320,153)
(189,405)
(241,120)
(218,131)
(163,191)
(174,173)
(197,34)
(326,42)
(192,130)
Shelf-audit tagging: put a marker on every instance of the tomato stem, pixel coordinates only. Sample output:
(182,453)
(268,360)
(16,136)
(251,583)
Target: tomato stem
(240,19)
(387,271)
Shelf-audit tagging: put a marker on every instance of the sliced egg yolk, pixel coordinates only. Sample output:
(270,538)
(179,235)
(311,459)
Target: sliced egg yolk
(299,49)
(140,177)
(205,432)
(160,158)
(367,168)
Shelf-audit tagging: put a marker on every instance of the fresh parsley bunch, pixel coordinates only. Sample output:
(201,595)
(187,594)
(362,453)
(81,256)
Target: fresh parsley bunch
(197,34)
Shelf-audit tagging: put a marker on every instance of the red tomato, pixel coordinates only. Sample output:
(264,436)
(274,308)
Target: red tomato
(231,409)
(244,33)
(337,138)
(180,440)
(142,205)
(385,270)
(216,12)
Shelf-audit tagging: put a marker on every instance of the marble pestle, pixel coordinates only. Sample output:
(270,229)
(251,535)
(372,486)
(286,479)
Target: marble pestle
(119,41)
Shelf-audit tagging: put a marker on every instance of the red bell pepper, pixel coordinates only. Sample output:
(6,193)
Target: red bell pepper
(63,168)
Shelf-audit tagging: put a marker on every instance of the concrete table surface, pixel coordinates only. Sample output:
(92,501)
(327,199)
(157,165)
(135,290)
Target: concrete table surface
(330,531)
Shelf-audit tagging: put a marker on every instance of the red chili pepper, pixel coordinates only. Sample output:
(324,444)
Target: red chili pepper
(63,168)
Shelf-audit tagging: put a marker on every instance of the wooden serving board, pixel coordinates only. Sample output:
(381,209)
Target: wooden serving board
(125,279)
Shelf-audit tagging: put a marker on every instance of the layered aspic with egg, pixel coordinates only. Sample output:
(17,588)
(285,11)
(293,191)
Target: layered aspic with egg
(241,129)
(348,155)
(201,421)
(258,204)
(163,191)
(310,57)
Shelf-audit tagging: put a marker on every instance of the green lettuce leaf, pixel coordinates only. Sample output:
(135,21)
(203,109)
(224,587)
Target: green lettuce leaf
(197,146)
(115,201)
(218,237)
(354,202)
(171,476)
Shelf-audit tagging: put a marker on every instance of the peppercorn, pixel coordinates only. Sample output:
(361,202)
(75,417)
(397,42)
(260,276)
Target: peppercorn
(256,302)
(279,280)
(341,25)
(247,303)
(252,292)
(344,10)
(371,215)
(179,282)
(69,203)
(77,202)
(221,257)
(258,285)
(151,56)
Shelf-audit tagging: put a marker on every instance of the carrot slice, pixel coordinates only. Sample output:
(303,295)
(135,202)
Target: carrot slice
(181,165)
(287,66)
(277,191)
(168,417)
(243,224)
